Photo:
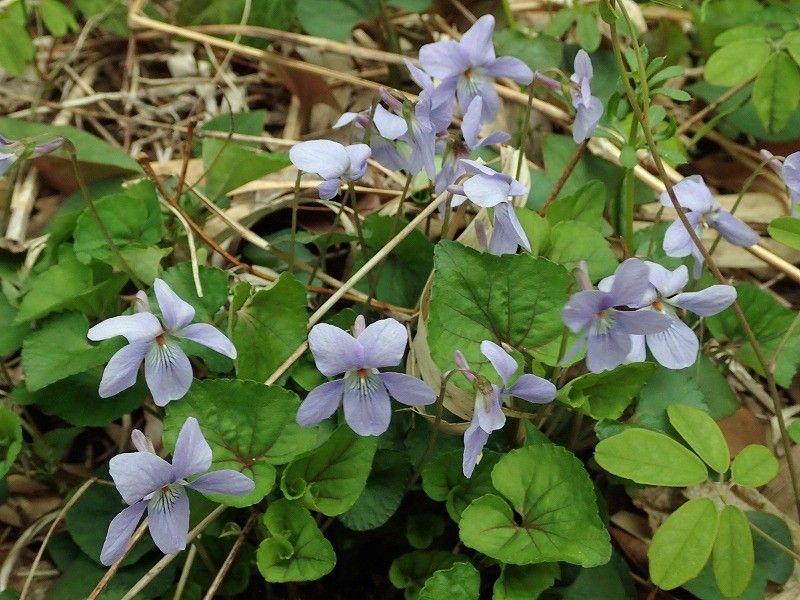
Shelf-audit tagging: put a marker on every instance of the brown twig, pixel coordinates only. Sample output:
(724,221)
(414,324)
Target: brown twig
(112,570)
(232,554)
(573,161)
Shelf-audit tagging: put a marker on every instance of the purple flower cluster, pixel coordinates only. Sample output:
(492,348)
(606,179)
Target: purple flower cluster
(588,108)
(149,483)
(167,369)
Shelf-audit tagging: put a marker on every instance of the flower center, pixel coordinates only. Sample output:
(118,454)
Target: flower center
(161,340)
(658,305)
(364,381)
(165,498)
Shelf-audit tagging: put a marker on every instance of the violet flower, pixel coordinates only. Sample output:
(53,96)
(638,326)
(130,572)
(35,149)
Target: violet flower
(332,161)
(364,390)
(588,108)
(489,397)
(604,321)
(148,482)
(167,369)
(702,211)
(789,172)
(489,189)
(469,67)
(13,150)
(677,346)
(452,168)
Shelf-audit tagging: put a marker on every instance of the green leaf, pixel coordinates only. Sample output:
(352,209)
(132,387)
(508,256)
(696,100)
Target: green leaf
(88,519)
(705,587)
(249,426)
(743,32)
(214,283)
(405,270)
(587,29)
(16,48)
(57,18)
(586,205)
(59,348)
(702,434)
(269,326)
(683,543)
(733,557)
(231,165)
(737,62)
(75,399)
(611,581)
(315,16)
(277,14)
(383,493)
(572,242)
(112,16)
(460,582)
(423,528)
(410,571)
(332,477)
(606,395)
(104,159)
(558,520)
(475,296)
(776,92)
(10,439)
(786,230)
(54,289)
(650,458)
(12,332)
(791,42)
(538,51)
(517,582)
(295,550)
(443,480)
(777,565)
(754,466)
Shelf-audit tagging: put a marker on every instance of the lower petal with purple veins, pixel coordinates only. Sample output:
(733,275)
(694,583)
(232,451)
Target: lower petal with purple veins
(367,408)
(168,372)
(168,512)
(606,351)
(120,531)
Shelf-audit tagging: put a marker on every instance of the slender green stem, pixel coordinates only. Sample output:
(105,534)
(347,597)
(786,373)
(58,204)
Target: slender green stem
(295,206)
(709,260)
(628,209)
(774,542)
(448,212)
(96,216)
(351,194)
(523,134)
(509,13)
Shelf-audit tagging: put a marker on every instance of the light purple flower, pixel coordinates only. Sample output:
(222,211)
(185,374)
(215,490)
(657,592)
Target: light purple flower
(789,172)
(489,189)
(702,211)
(364,390)
(489,397)
(13,150)
(167,369)
(332,161)
(148,482)
(452,168)
(469,67)
(588,108)
(677,346)
(604,320)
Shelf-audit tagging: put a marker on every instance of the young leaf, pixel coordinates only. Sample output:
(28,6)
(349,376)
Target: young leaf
(443,480)
(460,582)
(650,458)
(702,434)
(572,242)
(16,47)
(776,92)
(57,18)
(295,550)
(10,439)
(333,476)
(249,426)
(786,230)
(524,582)
(554,498)
(733,557)
(410,571)
(683,543)
(737,62)
(606,395)
(383,493)
(754,466)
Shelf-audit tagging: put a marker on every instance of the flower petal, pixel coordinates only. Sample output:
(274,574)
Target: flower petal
(335,351)
(676,347)
(513,68)
(583,66)
(606,351)
(177,313)
(471,122)
(358,155)
(444,59)
(491,101)
(638,322)
(486,191)
(384,343)
(502,361)
(169,519)
(677,241)
(707,302)
(320,403)
(582,308)
(210,337)
(192,453)
(587,117)
(136,328)
(508,233)
(367,409)
(137,474)
(692,194)
(631,283)
(491,418)
(121,371)
(326,158)
(120,531)
(168,373)
(407,389)
(389,125)
(532,389)
(227,481)
(732,229)
(475,439)
(420,77)
(329,188)
(668,283)
(477,41)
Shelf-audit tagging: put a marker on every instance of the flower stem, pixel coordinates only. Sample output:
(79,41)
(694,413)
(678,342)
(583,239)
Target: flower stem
(295,203)
(643,118)
(523,134)
(573,161)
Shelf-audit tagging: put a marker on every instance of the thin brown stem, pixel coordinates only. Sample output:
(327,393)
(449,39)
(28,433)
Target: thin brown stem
(232,554)
(573,161)
(112,570)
